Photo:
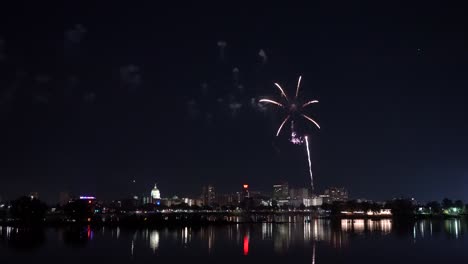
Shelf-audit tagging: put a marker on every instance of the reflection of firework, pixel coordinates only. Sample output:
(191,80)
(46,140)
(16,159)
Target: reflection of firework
(295,108)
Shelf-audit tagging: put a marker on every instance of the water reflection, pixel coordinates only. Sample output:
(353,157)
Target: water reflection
(453,227)
(22,238)
(244,239)
(246,244)
(360,226)
(267,231)
(76,236)
(154,240)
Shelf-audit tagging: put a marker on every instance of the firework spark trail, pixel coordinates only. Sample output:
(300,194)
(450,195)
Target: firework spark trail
(294,111)
(282,91)
(310,164)
(282,124)
(270,101)
(311,120)
(298,85)
(310,102)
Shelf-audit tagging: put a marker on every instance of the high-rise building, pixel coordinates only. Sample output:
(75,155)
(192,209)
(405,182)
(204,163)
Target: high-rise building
(227,199)
(208,195)
(298,193)
(335,194)
(313,201)
(245,192)
(281,191)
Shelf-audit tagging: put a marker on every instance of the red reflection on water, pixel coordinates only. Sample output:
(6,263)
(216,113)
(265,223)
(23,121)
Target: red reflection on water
(246,245)
(89,233)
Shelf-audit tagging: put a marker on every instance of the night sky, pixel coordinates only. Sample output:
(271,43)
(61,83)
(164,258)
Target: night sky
(94,96)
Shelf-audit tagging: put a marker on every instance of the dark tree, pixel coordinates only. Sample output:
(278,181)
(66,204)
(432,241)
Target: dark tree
(352,205)
(459,204)
(447,203)
(365,206)
(375,207)
(435,207)
(195,207)
(149,207)
(79,210)
(401,208)
(181,206)
(27,210)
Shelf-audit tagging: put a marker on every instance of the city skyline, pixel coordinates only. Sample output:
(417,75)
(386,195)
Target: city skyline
(90,103)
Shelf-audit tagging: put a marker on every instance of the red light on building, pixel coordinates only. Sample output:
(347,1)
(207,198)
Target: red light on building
(246,186)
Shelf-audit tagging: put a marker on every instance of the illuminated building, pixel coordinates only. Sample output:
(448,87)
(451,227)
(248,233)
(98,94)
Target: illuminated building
(155,194)
(281,191)
(334,194)
(208,195)
(313,201)
(298,193)
(34,195)
(245,192)
(146,199)
(227,199)
(85,197)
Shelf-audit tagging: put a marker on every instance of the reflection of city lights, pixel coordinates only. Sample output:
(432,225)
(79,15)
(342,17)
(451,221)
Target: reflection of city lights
(89,233)
(453,227)
(185,235)
(316,223)
(306,231)
(383,225)
(210,239)
(281,237)
(421,228)
(358,225)
(154,240)
(8,231)
(386,225)
(267,230)
(346,225)
(246,244)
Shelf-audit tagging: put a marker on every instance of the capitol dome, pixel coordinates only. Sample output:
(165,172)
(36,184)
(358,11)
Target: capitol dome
(155,194)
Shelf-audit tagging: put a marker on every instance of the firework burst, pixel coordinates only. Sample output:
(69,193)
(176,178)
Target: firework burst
(294,109)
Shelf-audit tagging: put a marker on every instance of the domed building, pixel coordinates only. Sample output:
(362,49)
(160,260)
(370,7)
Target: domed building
(155,194)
